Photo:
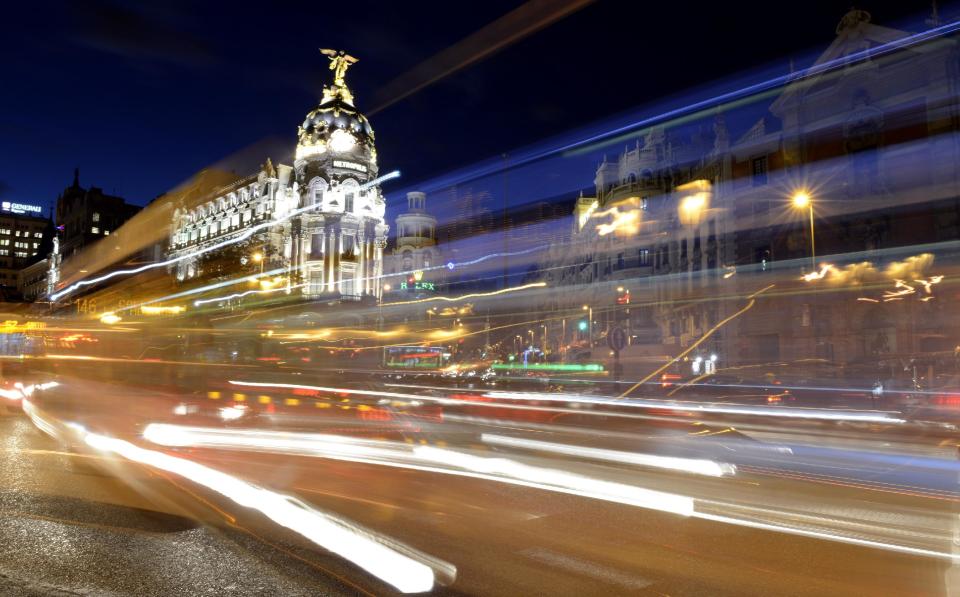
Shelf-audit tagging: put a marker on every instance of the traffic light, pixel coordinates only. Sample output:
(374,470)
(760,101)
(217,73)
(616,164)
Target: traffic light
(582,325)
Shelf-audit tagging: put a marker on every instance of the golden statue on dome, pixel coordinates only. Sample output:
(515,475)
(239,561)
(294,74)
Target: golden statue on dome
(340,61)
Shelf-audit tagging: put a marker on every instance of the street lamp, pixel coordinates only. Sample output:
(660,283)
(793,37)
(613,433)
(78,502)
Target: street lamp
(258,258)
(589,311)
(801,200)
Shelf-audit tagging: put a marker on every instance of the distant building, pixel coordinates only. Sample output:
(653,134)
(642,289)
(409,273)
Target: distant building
(85,216)
(415,249)
(23,232)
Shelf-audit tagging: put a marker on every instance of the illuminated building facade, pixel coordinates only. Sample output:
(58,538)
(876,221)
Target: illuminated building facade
(691,212)
(24,236)
(416,234)
(319,223)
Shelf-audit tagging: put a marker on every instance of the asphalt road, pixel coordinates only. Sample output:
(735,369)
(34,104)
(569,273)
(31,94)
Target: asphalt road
(94,523)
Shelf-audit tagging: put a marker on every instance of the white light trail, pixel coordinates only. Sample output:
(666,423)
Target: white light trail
(827,536)
(686,465)
(423,458)
(215,299)
(358,545)
(384,178)
(824,414)
(712,408)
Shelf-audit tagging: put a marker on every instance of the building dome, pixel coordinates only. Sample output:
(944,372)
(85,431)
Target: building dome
(336,127)
(332,115)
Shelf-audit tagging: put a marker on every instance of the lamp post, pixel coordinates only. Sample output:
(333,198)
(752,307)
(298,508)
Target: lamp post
(589,311)
(801,200)
(258,258)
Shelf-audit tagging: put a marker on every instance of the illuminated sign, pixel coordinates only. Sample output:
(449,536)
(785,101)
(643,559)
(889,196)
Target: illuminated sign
(20,208)
(349,165)
(417,286)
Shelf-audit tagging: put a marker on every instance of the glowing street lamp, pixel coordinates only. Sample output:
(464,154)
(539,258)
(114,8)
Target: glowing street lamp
(258,258)
(801,200)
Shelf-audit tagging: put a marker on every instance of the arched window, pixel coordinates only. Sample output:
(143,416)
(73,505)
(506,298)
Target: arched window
(318,187)
(351,188)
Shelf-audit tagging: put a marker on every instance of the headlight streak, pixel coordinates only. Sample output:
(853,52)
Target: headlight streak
(472,295)
(360,546)
(687,465)
(423,458)
(778,411)
(21,391)
(827,536)
(215,299)
(503,470)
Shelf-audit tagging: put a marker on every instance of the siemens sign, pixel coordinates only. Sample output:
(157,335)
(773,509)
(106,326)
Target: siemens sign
(20,208)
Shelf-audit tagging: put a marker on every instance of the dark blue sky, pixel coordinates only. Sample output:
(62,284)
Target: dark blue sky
(142,95)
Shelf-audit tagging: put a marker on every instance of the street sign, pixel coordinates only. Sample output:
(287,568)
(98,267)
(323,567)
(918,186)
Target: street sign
(617,339)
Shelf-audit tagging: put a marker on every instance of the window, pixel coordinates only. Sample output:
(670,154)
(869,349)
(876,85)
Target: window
(644,256)
(348,203)
(759,169)
(106,233)
(4,231)
(36,245)
(96,216)
(4,252)
(316,281)
(95,230)
(37,235)
(17,233)
(5,242)
(348,247)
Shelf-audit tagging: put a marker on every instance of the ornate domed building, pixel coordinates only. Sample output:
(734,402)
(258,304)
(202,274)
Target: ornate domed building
(340,243)
(318,225)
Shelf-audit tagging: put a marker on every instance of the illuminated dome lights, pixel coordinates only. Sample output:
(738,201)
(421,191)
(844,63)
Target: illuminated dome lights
(305,151)
(341,141)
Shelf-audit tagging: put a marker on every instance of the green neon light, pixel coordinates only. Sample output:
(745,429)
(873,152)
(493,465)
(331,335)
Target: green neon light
(547,367)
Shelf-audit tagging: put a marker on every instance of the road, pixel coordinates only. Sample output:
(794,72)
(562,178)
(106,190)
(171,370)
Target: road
(489,533)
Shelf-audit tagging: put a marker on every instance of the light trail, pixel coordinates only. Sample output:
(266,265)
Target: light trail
(226,243)
(467,296)
(686,465)
(247,278)
(397,565)
(827,536)
(498,469)
(705,408)
(699,341)
(228,297)
(424,458)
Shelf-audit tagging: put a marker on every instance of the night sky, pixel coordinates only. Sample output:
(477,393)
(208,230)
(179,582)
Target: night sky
(141,97)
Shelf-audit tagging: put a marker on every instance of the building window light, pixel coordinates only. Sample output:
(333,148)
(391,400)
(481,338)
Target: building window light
(95,230)
(106,233)
(96,216)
